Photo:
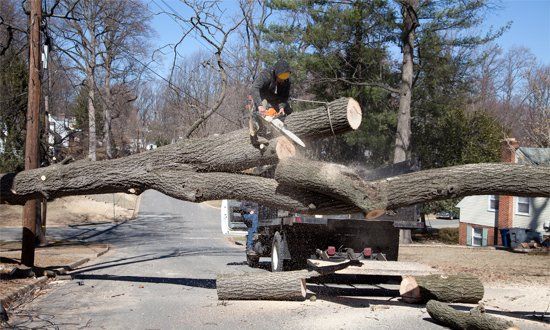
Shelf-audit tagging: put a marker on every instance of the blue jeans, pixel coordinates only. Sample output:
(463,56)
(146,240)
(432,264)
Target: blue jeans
(252,230)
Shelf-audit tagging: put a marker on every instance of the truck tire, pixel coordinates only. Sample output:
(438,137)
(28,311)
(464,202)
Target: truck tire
(278,264)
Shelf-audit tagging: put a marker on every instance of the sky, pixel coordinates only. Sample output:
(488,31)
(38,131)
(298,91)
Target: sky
(530,26)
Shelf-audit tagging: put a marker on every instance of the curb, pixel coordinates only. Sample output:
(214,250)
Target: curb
(71,267)
(41,281)
(7,300)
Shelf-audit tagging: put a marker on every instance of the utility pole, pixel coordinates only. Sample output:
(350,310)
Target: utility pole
(32,157)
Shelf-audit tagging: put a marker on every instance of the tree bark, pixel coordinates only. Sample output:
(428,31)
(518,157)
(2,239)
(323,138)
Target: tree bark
(372,196)
(446,288)
(92,140)
(107,111)
(476,319)
(264,286)
(178,169)
(403,135)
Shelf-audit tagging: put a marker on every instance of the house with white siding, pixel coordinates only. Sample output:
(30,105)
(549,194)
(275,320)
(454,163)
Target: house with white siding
(485,219)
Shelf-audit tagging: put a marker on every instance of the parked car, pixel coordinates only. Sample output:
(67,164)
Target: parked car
(446,215)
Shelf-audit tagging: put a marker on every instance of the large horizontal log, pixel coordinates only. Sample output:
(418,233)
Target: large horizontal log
(372,196)
(231,152)
(184,184)
(264,285)
(461,288)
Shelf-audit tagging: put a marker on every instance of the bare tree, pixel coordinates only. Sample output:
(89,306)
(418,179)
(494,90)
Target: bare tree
(78,40)
(126,28)
(209,23)
(536,109)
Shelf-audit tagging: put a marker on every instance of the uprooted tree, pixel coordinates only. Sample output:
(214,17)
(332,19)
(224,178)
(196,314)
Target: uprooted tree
(215,168)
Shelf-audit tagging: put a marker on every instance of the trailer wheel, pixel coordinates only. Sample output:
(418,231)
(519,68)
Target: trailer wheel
(252,261)
(277,261)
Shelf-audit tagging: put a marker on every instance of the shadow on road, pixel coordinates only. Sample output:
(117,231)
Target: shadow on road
(194,282)
(134,260)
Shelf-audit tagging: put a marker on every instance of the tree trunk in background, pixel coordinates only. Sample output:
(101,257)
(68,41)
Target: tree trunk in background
(403,134)
(32,156)
(107,140)
(91,115)
(90,73)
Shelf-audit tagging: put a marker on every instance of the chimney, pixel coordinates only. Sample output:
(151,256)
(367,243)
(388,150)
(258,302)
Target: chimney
(506,203)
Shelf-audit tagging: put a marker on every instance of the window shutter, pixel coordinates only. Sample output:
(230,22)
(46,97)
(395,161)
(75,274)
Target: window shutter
(468,235)
(484,239)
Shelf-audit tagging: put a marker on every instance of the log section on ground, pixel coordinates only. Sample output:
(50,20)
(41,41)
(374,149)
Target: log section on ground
(231,152)
(346,185)
(475,319)
(447,288)
(264,285)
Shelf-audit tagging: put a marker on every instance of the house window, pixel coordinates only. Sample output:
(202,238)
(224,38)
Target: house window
(523,205)
(493,203)
(477,236)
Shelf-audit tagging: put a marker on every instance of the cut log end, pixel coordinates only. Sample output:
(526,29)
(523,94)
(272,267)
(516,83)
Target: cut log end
(375,214)
(354,114)
(285,148)
(409,290)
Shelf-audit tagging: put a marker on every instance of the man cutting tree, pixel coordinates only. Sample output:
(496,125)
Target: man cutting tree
(269,96)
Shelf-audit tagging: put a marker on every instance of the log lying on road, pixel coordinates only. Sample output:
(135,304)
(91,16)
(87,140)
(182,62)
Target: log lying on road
(231,152)
(475,319)
(446,288)
(390,193)
(264,286)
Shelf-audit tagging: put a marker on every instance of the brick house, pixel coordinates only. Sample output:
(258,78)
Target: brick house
(483,217)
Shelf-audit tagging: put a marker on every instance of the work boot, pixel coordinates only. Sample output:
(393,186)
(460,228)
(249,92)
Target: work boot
(258,141)
(250,252)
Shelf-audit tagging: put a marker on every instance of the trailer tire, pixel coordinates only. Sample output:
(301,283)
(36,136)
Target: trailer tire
(252,261)
(278,264)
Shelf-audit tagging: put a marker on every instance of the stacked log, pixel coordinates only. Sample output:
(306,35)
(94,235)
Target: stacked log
(264,285)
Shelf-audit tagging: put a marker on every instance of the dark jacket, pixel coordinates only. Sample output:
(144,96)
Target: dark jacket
(265,87)
(248,206)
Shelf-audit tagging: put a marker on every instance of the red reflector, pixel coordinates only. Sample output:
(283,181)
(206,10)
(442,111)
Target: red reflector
(331,251)
(367,252)
(298,220)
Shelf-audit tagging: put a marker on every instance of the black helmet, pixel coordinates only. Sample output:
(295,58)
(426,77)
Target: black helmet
(281,67)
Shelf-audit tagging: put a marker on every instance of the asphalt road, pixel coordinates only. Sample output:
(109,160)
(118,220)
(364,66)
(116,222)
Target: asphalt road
(161,274)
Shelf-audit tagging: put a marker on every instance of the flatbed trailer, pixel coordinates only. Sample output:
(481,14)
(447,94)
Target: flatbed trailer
(291,240)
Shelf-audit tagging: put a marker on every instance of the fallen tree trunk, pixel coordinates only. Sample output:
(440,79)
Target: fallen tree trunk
(475,319)
(446,288)
(231,152)
(373,197)
(264,286)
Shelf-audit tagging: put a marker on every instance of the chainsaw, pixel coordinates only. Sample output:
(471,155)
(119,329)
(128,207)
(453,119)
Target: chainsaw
(270,116)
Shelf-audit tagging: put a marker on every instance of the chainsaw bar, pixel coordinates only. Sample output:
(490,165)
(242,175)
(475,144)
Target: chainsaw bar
(278,124)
